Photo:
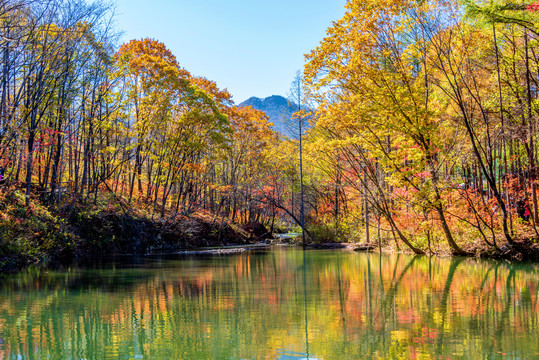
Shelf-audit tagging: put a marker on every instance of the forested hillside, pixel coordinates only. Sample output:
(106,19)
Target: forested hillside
(424,137)
(428,121)
(90,127)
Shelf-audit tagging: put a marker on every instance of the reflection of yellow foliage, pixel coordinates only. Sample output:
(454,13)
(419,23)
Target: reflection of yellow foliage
(400,336)
(252,306)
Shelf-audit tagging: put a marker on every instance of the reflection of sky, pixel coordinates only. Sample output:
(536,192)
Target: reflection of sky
(290,355)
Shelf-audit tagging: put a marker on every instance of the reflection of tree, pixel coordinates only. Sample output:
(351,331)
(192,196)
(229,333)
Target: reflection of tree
(305,303)
(503,318)
(252,305)
(455,262)
(475,320)
(341,294)
(389,299)
(373,337)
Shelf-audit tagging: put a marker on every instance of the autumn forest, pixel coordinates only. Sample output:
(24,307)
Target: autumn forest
(416,131)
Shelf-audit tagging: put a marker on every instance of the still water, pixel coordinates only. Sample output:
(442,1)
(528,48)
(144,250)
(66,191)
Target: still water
(273,304)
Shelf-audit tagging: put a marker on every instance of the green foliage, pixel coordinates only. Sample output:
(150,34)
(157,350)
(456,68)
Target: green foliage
(30,234)
(323,233)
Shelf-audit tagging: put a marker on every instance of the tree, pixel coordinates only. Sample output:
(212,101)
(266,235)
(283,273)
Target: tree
(297,97)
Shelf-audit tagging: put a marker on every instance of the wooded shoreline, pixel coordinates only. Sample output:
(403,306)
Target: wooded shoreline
(416,128)
(39,236)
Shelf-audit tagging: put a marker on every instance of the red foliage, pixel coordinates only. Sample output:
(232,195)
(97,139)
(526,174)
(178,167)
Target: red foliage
(533,7)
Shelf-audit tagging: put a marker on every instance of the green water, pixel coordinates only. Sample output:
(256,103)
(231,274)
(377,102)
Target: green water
(273,304)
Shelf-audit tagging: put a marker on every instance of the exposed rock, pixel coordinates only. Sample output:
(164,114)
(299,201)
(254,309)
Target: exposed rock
(214,251)
(363,247)
(328,246)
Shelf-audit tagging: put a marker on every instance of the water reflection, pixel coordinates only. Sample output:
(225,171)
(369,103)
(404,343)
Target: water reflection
(277,304)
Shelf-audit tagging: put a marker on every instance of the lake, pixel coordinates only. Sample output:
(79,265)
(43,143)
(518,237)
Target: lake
(278,303)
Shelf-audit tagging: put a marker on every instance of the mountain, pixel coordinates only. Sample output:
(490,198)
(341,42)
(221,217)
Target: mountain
(278,109)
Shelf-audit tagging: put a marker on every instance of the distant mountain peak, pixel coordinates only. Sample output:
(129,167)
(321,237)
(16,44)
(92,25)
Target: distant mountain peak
(278,109)
(270,100)
(252,100)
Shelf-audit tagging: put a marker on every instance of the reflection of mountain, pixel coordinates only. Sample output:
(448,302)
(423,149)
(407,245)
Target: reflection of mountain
(278,109)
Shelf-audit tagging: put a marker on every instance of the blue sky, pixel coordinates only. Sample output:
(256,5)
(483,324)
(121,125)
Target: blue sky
(252,48)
